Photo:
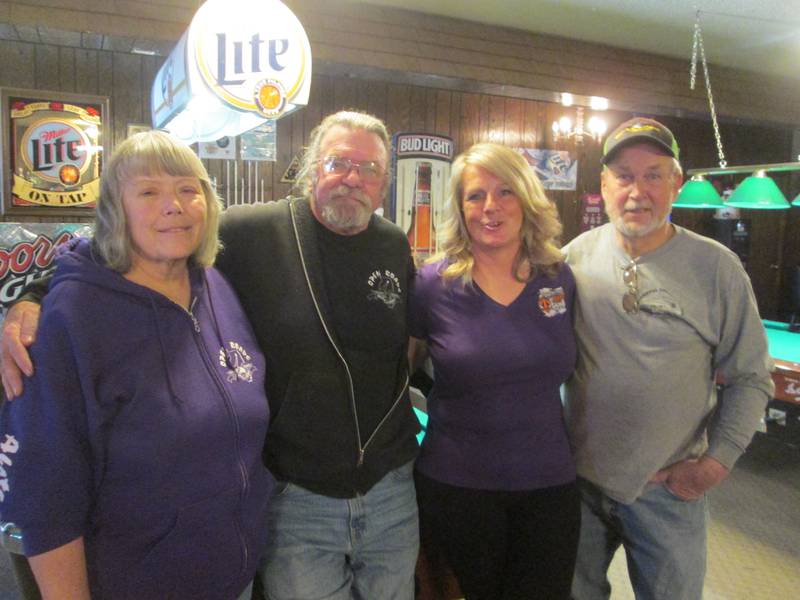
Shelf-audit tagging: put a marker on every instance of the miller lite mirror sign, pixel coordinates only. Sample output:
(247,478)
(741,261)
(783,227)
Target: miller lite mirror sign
(52,152)
(240,63)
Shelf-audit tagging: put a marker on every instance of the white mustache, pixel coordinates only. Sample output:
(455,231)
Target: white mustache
(342,191)
(638,206)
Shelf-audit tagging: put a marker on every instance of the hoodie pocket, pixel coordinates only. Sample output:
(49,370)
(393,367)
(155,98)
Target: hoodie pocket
(200,557)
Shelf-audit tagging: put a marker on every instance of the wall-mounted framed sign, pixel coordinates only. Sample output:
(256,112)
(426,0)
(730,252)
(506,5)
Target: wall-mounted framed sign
(421,172)
(52,145)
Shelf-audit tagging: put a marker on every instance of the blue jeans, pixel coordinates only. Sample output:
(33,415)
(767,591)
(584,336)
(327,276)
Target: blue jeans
(664,539)
(361,548)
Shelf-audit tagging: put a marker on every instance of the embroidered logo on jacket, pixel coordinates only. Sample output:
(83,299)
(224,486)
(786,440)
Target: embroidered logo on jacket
(9,446)
(552,301)
(385,287)
(237,363)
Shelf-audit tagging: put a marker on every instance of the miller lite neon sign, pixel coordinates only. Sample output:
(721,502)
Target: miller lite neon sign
(239,63)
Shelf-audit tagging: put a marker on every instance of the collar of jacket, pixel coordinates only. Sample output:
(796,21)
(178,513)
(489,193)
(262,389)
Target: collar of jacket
(304,223)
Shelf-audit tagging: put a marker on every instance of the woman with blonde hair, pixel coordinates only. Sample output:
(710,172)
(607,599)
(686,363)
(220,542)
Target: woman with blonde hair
(495,477)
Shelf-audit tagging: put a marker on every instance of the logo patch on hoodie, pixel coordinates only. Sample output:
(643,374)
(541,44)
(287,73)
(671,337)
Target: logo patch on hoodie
(236,362)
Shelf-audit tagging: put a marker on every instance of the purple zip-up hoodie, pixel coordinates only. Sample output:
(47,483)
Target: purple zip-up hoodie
(142,431)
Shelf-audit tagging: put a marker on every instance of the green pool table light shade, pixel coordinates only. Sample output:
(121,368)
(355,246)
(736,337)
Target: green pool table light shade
(759,192)
(698,193)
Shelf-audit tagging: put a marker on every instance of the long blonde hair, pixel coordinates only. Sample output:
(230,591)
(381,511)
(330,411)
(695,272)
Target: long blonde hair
(539,251)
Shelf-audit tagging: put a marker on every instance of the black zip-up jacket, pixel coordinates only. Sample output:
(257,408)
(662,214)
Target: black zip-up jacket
(272,259)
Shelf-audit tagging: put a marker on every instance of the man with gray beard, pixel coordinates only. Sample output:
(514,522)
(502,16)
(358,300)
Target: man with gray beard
(324,282)
(661,312)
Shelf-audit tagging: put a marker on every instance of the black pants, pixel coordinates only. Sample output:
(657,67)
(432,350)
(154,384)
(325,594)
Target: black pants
(504,545)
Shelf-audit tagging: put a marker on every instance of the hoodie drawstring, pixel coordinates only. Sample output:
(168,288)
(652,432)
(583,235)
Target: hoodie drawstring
(164,359)
(228,361)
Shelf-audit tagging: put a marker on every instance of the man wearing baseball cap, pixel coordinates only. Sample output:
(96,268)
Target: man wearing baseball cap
(661,313)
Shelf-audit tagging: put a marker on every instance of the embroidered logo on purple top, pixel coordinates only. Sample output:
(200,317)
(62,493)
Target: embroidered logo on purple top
(237,363)
(552,301)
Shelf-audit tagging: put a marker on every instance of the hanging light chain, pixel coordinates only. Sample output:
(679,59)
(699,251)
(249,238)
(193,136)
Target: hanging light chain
(698,45)
(693,66)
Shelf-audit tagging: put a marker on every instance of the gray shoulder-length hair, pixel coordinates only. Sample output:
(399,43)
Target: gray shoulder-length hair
(149,153)
(541,228)
(349,119)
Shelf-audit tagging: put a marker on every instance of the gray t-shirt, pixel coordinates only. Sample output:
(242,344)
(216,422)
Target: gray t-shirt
(643,394)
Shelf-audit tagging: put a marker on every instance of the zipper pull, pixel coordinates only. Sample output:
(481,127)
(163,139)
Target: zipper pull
(360,457)
(191,314)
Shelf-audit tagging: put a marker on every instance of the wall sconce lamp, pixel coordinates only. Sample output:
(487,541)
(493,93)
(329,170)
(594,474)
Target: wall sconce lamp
(595,128)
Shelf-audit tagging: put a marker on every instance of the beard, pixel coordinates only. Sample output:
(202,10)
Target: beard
(346,217)
(637,230)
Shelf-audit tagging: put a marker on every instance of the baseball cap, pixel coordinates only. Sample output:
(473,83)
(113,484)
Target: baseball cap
(640,129)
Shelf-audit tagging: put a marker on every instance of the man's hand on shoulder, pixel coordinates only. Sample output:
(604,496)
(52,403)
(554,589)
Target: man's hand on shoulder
(19,332)
(691,478)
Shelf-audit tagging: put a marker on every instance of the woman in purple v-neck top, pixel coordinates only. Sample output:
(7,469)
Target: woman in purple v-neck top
(495,477)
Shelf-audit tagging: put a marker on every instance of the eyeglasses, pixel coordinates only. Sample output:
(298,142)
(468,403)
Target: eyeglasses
(630,299)
(368,170)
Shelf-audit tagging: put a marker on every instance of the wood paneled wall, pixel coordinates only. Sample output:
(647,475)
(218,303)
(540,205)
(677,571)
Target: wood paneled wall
(124,77)
(48,20)
(406,41)
(459,53)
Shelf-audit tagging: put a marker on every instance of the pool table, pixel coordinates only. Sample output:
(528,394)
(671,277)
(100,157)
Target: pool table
(784,347)
(783,413)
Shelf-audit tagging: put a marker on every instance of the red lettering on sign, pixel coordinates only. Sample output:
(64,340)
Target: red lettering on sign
(19,259)
(48,136)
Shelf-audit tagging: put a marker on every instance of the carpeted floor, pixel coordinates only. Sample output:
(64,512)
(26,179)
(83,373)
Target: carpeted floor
(754,539)
(8,587)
